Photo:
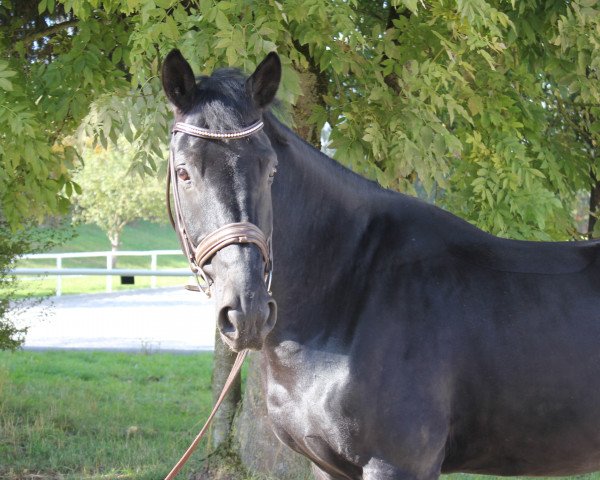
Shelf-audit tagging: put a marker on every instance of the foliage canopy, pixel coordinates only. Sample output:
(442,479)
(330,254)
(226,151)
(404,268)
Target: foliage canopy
(489,108)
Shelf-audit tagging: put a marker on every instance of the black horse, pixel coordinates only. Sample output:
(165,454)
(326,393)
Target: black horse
(408,343)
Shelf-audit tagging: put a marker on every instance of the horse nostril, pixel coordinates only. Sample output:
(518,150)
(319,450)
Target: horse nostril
(225,323)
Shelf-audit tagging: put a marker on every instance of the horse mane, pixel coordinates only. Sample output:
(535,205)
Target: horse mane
(286,137)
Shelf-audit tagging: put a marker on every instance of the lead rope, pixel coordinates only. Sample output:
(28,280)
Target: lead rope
(237,365)
(249,234)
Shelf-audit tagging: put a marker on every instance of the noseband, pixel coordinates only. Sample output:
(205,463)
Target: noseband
(229,234)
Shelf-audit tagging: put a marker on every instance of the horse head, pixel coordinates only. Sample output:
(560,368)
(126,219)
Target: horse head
(222,165)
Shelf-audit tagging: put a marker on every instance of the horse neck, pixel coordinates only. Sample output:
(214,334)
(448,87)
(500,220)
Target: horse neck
(321,212)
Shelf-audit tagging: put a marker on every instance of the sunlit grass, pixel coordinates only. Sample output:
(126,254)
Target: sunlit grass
(136,236)
(99,415)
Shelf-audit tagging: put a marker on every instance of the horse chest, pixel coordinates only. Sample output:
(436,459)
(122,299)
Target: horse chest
(307,400)
(324,409)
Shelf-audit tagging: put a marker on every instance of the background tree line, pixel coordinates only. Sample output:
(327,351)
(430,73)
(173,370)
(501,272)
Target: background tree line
(488,108)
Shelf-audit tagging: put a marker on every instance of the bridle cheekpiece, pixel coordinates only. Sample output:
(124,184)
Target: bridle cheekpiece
(231,233)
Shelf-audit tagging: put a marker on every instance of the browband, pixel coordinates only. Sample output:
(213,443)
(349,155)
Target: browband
(211,134)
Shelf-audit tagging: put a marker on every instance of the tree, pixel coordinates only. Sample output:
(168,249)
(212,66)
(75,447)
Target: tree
(48,77)
(488,108)
(453,99)
(45,91)
(111,197)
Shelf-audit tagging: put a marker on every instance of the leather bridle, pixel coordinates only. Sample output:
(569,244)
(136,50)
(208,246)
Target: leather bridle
(231,233)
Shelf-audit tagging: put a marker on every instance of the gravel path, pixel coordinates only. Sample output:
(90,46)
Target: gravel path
(165,319)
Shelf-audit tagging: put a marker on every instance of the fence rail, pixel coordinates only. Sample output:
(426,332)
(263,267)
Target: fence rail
(109,271)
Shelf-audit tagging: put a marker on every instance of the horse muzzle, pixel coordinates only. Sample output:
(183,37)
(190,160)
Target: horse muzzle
(246,312)
(247,324)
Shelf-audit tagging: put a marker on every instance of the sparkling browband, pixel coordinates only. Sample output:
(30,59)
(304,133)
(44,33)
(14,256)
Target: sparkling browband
(211,134)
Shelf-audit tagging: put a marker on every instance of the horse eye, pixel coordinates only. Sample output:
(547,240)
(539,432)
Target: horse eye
(182,174)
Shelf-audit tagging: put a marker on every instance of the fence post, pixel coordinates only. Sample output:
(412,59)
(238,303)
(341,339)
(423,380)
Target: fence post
(153,264)
(58,277)
(109,276)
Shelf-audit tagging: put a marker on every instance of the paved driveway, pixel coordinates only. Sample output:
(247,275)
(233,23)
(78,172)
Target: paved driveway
(165,319)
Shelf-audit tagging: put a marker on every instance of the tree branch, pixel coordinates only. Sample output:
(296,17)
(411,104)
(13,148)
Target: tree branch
(391,80)
(52,29)
(319,86)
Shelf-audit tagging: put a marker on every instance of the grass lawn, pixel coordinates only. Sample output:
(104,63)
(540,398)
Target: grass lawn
(103,415)
(99,415)
(139,235)
(89,238)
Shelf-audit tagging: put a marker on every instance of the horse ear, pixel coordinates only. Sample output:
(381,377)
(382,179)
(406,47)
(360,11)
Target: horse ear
(264,82)
(178,80)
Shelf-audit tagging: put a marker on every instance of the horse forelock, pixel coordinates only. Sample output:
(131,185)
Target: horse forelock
(221,101)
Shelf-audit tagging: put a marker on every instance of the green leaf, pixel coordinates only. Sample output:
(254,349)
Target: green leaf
(7,73)
(475,105)
(488,58)
(222,22)
(6,85)
(117,55)
(411,5)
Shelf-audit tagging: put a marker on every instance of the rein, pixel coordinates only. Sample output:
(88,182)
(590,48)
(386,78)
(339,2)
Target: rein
(188,453)
(198,255)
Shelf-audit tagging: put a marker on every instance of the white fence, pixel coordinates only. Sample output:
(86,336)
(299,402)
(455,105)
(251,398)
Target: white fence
(59,271)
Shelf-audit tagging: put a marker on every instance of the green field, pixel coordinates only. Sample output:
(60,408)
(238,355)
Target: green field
(139,235)
(104,416)
(98,415)
(89,238)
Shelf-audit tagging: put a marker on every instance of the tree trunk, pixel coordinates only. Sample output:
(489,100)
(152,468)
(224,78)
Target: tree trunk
(259,450)
(594,205)
(314,85)
(115,243)
(222,364)
(248,448)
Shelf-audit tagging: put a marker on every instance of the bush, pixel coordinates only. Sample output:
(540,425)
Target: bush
(29,239)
